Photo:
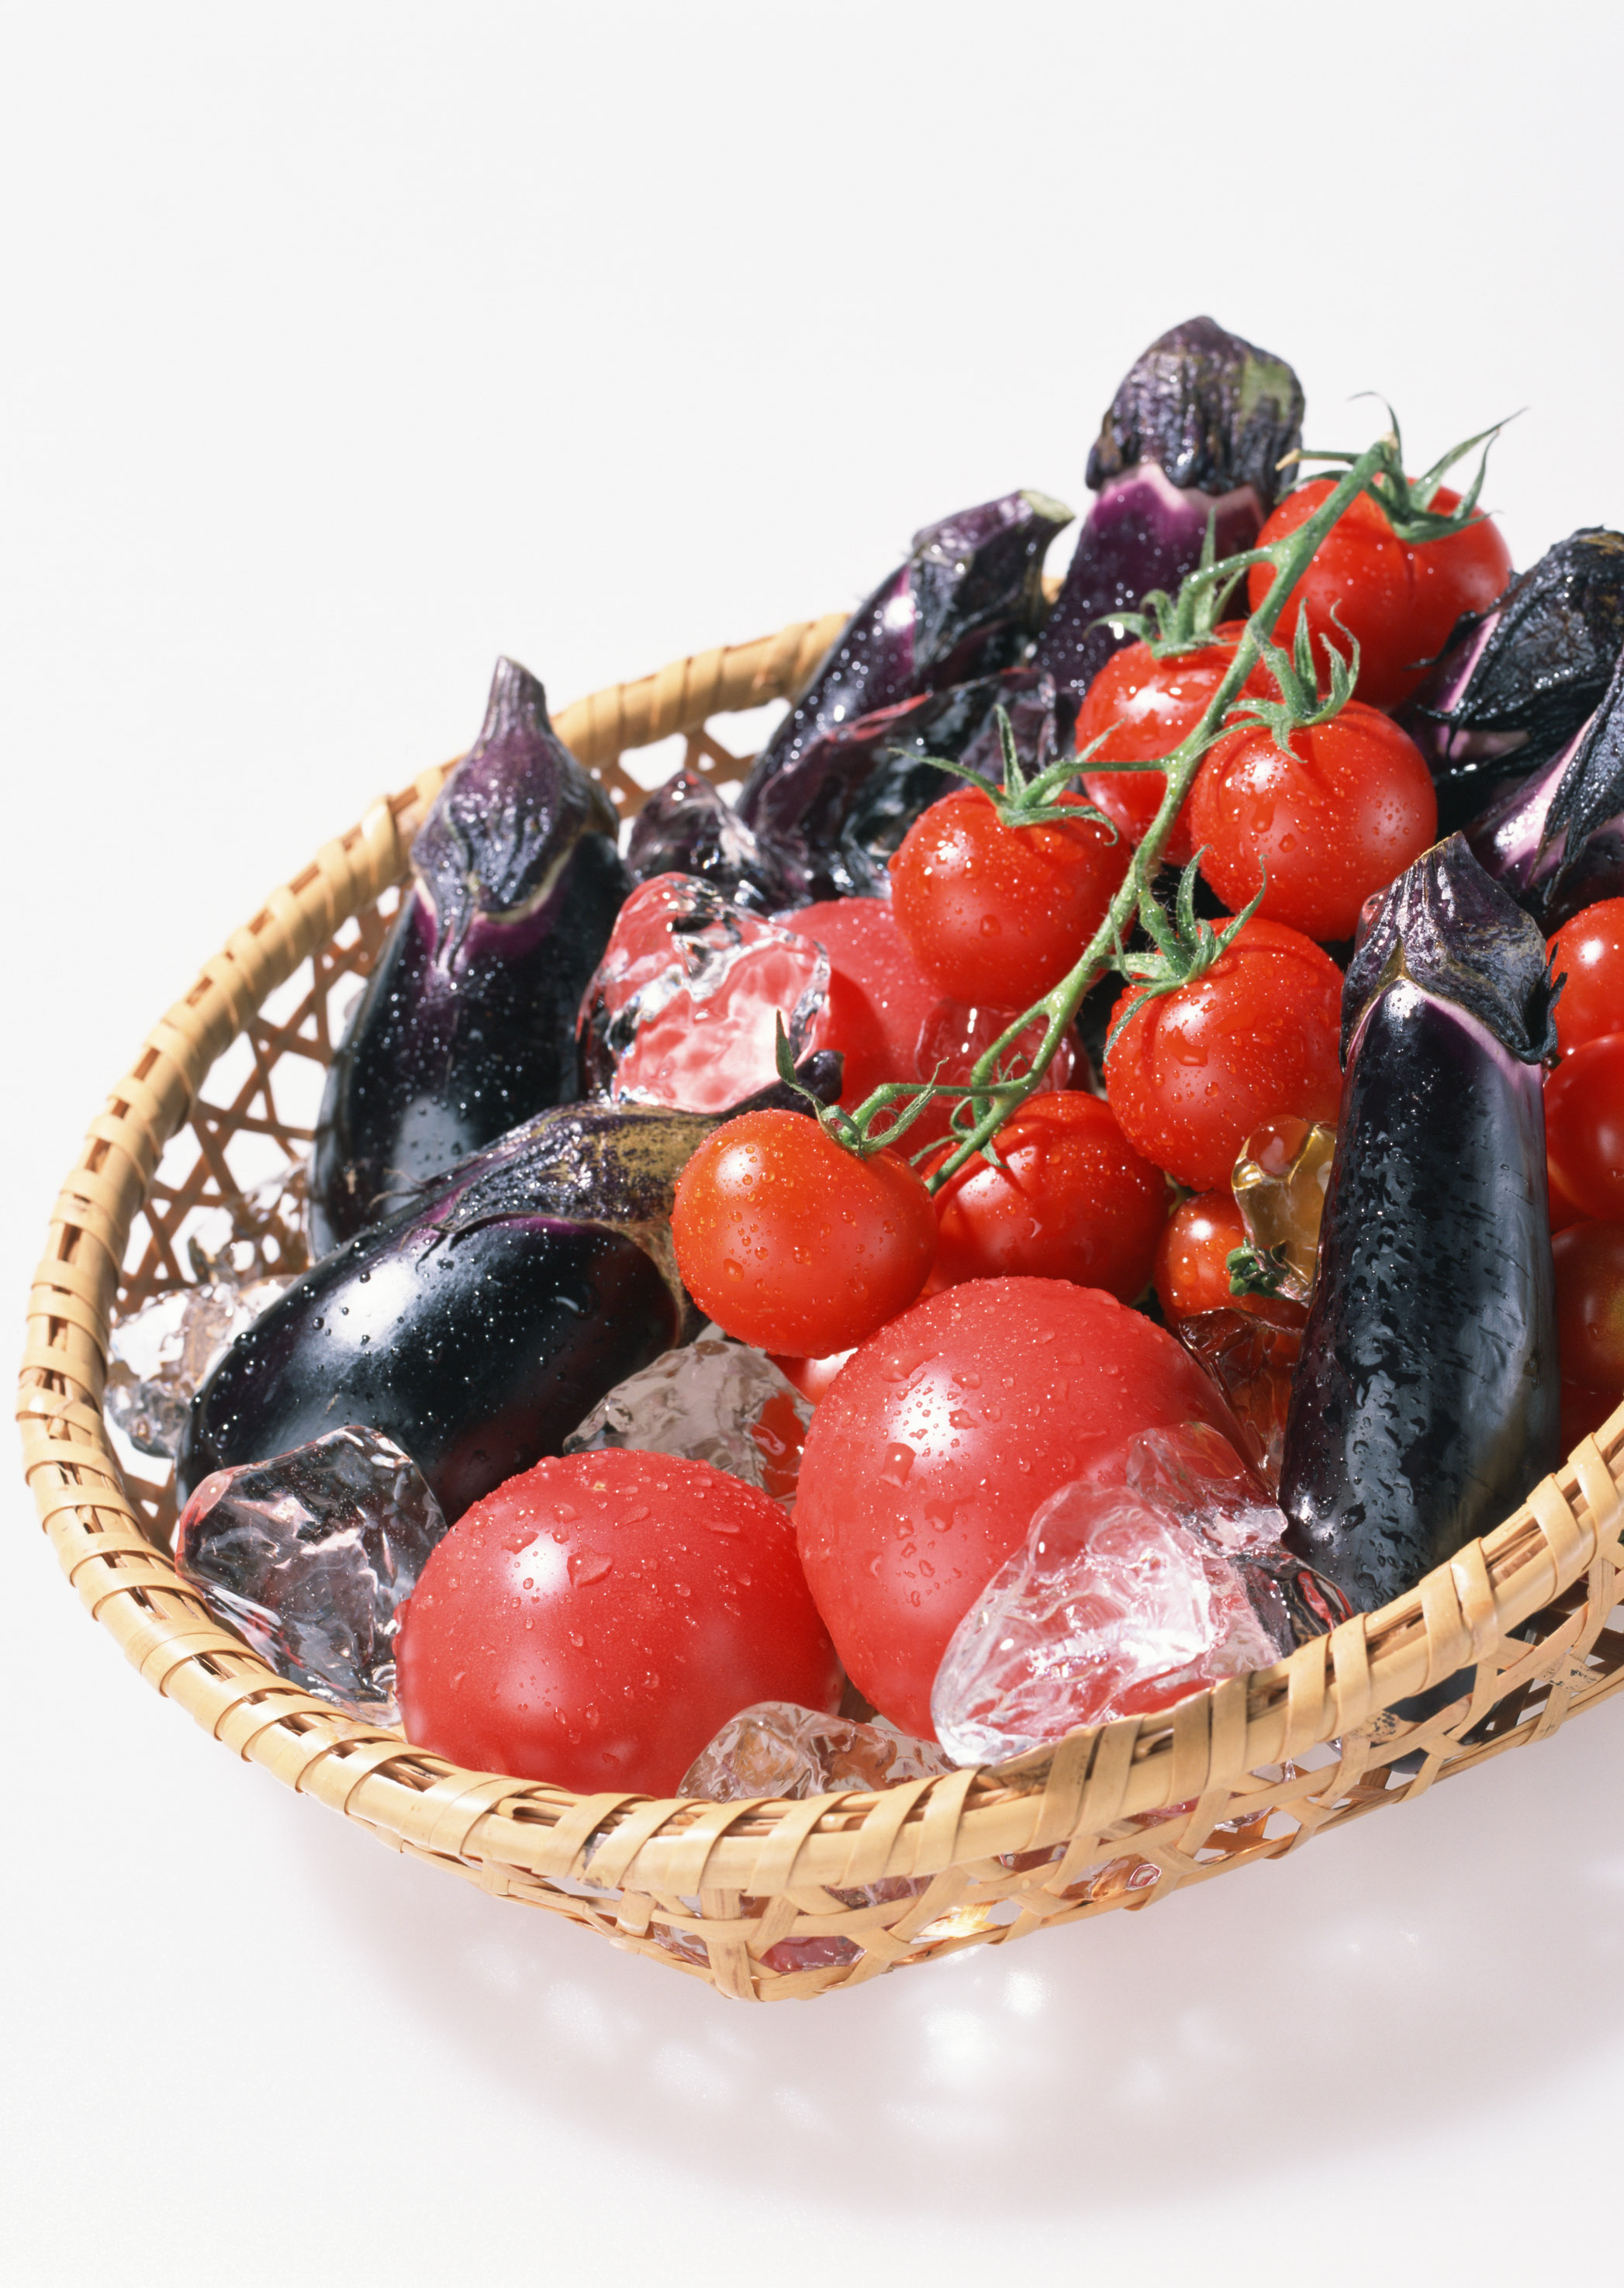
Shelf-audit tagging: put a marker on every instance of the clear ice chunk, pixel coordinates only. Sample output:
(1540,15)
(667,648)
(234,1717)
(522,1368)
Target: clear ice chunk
(160,1356)
(684,1007)
(1252,1357)
(1279,1184)
(1130,1591)
(309,1557)
(712,1401)
(778,1749)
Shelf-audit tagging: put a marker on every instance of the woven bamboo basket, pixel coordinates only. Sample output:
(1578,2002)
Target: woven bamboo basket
(766,1901)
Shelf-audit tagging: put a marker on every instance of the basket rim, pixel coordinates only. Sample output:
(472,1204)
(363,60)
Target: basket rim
(1328,1691)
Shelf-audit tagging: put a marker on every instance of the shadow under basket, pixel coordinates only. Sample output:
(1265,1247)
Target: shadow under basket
(771,1899)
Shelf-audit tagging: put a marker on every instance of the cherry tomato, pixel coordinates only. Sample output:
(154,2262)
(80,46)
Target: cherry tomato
(1191,1265)
(596,1621)
(1589,952)
(1193,1072)
(1584,1127)
(812,1377)
(926,1460)
(1351,806)
(1073,1200)
(1590,1258)
(1145,707)
(1399,599)
(907,1028)
(791,1242)
(998,914)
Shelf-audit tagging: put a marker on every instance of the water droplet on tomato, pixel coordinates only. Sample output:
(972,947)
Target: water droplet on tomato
(588,1565)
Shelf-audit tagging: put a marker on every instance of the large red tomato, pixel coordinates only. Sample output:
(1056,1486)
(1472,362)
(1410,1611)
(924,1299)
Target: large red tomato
(596,1620)
(941,1436)
(1192,1073)
(1400,598)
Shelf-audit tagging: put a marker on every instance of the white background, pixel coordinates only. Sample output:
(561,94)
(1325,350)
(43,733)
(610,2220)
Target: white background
(346,346)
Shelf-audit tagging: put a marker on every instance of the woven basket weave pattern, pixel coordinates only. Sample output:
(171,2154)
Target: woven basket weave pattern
(772,1900)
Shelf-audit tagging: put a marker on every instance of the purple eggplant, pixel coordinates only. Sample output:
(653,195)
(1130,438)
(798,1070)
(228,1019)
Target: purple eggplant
(1197,430)
(1515,685)
(966,603)
(1556,839)
(468,1023)
(1426,1401)
(481,1322)
(686,827)
(874,776)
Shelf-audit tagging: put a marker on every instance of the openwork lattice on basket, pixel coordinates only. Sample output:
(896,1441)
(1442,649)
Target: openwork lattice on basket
(1512,1637)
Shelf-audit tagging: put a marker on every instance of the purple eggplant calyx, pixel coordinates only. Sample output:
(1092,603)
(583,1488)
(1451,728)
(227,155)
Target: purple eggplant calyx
(1212,410)
(685,827)
(1514,686)
(1454,934)
(503,826)
(1556,840)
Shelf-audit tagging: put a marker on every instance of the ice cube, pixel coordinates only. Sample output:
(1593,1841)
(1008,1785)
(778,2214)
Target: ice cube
(160,1355)
(1128,1593)
(311,1556)
(1280,1184)
(712,1401)
(1251,1356)
(684,1007)
(778,1749)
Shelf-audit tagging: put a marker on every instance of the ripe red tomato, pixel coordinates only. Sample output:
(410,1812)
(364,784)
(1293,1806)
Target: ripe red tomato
(595,1621)
(1073,1200)
(908,1029)
(1589,952)
(1399,599)
(1191,1266)
(1583,1413)
(926,1460)
(1590,1258)
(1146,707)
(1350,807)
(1584,1127)
(997,914)
(793,1243)
(1193,1072)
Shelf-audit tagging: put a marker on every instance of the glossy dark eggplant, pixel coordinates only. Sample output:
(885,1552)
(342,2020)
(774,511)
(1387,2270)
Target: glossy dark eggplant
(480,1323)
(1514,686)
(686,827)
(1556,839)
(870,779)
(467,1024)
(1196,430)
(966,603)
(1426,1401)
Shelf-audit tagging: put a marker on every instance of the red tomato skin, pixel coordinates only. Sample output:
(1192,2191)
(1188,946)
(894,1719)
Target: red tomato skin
(812,1377)
(1583,1413)
(1584,1127)
(1074,1200)
(793,1243)
(1341,816)
(927,1457)
(596,1620)
(1145,707)
(1191,1265)
(995,914)
(1193,1072)
(908,1028)
(1399,601)
(1588,951)
(1590,1259)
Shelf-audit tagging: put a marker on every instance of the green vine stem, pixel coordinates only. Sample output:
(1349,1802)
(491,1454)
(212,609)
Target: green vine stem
(992,1093)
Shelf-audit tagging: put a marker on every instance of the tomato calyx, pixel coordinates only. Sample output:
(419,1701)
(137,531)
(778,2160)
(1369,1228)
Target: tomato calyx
(1168,626)
(1406,502)
(1034,801)
(1183,949)
(1300,706)
(891,1111)
(1256,1270)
